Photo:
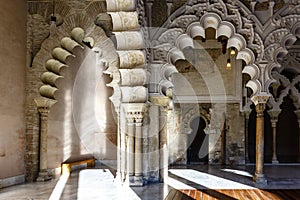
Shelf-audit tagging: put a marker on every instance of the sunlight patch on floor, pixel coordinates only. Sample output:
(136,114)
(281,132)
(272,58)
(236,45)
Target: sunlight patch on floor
(99,184)
(239,172)
(208,181)
(59,187)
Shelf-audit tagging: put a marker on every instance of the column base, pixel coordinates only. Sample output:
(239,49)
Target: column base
(118,179)
(275,162)
(260,180)
(43,176)
(137,181)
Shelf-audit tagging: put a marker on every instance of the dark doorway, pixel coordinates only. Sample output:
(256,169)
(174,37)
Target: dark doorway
(287,133)
(268,142)
(198,140)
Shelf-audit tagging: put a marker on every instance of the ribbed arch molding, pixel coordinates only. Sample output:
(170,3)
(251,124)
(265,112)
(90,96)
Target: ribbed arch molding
(60,56)
(129,81)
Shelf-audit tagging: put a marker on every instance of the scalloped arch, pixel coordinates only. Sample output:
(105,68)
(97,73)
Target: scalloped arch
(181,40)
(192,114)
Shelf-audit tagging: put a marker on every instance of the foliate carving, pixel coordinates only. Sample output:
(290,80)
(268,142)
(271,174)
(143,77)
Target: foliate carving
(270,50)
(184,21)
(289,21)
(160,52)
(170,36)
(260,102)
(135,112)
(276,36)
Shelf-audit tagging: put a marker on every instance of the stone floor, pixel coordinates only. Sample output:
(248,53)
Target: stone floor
(99,183)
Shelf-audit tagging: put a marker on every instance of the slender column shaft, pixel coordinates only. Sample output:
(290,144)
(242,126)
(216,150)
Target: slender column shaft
(43,139)
(162,146)
(138,150)
(43,106)
(138,168)
(259,142)
(43,173)
(130,147)
(260,105)
(122,156)
(274,157)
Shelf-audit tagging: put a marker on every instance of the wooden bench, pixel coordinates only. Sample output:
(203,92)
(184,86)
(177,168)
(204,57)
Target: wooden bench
(66,166)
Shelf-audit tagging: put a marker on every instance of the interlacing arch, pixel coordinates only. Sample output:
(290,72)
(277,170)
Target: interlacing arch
(277,44)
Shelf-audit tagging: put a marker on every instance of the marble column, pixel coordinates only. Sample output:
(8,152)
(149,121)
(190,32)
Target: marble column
(260,105)
(138,168)
(274,118)
(134,148)
(130,147)
(163,144)
(43,106)
(297,112)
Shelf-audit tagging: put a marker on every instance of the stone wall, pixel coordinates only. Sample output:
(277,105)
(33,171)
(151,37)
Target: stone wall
(12,87)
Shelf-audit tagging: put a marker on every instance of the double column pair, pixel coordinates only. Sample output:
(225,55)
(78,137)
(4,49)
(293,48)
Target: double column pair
(135,148)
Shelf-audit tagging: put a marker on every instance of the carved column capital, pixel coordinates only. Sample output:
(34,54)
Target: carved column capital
(139,116)
(260,102)
(247,114)
(44,105)
(274,116)
(135,112)
(130,118)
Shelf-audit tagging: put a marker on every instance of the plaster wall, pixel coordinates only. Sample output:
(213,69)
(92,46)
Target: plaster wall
(82,121)
(12,87)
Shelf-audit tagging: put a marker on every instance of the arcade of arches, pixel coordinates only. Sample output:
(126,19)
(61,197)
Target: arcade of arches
(144,84)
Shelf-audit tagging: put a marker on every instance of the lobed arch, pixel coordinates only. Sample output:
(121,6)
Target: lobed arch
(193,114)
(174,40)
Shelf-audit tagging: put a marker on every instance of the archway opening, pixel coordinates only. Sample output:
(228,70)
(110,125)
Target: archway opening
(287,133)
(198,140)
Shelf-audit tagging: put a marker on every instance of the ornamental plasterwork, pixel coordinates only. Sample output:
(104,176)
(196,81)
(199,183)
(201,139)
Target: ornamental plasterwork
(289,89)
(183,17)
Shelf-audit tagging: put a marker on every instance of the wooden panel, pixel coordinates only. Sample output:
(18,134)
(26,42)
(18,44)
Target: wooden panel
(256,194)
